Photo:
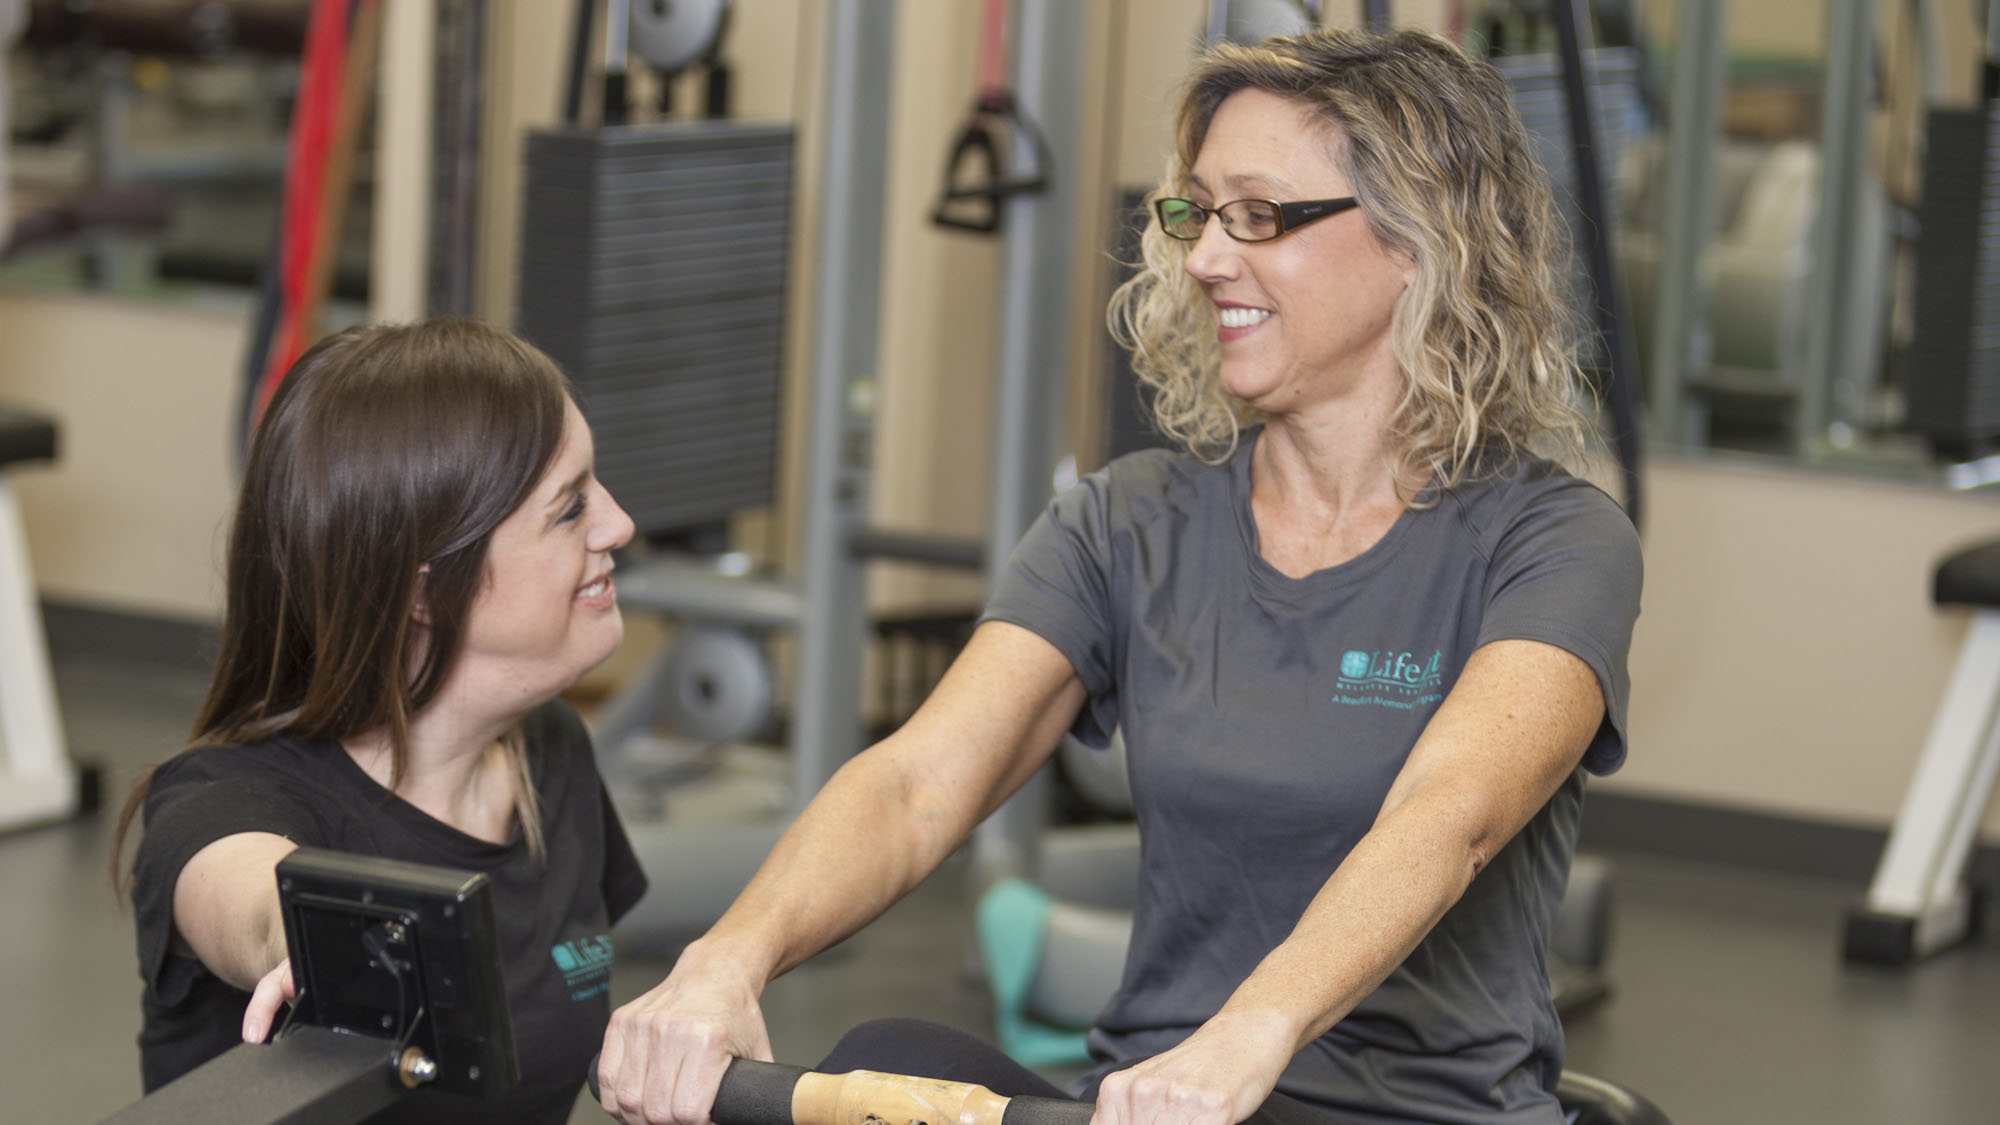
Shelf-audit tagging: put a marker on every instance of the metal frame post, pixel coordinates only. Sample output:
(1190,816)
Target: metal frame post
(1033,362)
(1843,163)
(1614,319)
(37,782)
(847,282)
(1683,343)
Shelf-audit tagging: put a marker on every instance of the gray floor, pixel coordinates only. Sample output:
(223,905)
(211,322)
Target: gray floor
(1731,1004)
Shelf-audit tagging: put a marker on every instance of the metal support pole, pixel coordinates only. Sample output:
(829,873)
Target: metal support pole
(1033,364)
(1683,344)
(1990,78)
(848,282)
(460,98)
(1843,164)
(1613,318)
(399,251)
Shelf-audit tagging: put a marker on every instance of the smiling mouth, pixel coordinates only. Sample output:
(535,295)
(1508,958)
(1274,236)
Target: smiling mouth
(1236,317)
(595,588)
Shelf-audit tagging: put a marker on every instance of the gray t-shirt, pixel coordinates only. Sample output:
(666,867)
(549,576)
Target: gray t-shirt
(1264,719)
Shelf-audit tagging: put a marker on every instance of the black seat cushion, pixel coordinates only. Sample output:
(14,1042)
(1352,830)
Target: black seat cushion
(1594,1101)
(1970,577)
(25,436)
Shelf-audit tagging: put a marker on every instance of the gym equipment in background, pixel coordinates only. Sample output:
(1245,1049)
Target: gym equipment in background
(653,269)
(37,782)
(678,36)
(1919,902)
(1953,381)
(654,262)
(671,37)
(978,178)
(400,988)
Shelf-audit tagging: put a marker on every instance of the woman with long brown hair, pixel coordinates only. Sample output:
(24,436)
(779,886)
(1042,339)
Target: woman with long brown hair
(420,563)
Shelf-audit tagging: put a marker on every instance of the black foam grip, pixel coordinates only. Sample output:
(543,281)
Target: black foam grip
(756,1093)
(1046,1111)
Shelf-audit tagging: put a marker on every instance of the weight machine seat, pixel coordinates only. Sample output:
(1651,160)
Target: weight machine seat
(26,436)
(1595,1101)
(1919,901)
(1969,577)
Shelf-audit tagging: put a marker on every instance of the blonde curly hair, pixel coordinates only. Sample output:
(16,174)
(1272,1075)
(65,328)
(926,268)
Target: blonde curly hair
(1435,151)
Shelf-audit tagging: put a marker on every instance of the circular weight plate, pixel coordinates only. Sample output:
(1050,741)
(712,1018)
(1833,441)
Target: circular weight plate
(672,35)
(719,685)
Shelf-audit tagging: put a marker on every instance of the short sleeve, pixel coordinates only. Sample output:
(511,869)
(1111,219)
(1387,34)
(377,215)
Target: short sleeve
(1057,585)
(624,878)
(193,801)
(1566,571)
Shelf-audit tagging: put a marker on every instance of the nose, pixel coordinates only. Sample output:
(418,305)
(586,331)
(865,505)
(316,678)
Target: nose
(1212,257)
(613,527)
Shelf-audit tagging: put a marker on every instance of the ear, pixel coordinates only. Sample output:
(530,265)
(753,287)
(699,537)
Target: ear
(420,604)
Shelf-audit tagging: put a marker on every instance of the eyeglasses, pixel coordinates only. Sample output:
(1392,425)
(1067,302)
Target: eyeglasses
(1245,220)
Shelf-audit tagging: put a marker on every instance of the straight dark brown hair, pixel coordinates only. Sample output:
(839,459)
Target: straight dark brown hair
(385,461)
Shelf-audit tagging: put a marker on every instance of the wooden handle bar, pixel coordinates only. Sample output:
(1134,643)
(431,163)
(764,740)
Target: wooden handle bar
(761,1093)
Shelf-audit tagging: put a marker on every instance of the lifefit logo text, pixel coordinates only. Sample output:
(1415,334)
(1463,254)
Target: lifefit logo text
(585,965)
(1389,679)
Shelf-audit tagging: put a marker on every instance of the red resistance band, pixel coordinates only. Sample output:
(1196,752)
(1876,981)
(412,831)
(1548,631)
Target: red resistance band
(313,119)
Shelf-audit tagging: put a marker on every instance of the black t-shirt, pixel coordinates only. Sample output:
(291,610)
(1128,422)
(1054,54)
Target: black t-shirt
(554,916)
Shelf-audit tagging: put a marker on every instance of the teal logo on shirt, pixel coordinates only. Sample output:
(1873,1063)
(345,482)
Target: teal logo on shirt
(1401,680)
(585,965)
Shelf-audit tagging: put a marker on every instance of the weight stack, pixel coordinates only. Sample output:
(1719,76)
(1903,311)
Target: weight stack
(653,268)
(1952,389)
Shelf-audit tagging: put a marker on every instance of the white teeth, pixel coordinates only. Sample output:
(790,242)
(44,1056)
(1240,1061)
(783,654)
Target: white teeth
(1233,317)
(594,589)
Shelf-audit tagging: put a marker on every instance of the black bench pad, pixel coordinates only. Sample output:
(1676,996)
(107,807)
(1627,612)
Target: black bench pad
(26,436)
(1969,577)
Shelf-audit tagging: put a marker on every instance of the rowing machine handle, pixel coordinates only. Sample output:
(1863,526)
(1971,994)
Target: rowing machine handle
(761,1093)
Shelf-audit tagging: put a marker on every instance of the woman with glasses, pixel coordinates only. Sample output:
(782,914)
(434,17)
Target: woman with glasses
(1361,638)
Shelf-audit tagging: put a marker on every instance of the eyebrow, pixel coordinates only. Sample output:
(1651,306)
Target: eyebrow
(570,489)
(1248,185)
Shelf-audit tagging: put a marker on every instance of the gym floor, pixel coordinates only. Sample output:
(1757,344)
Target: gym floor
(1729,1004)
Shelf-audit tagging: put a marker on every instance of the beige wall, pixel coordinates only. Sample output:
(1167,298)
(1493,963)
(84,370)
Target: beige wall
(130,517)
(1788,659)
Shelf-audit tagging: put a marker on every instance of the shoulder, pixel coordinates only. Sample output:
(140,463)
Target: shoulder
(1150,483)
(557,743)
(283,786)
(1539,500)
(275,762)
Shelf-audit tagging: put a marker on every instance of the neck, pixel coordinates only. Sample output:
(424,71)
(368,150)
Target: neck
(455,769)
(1332,459)
(1323,484)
